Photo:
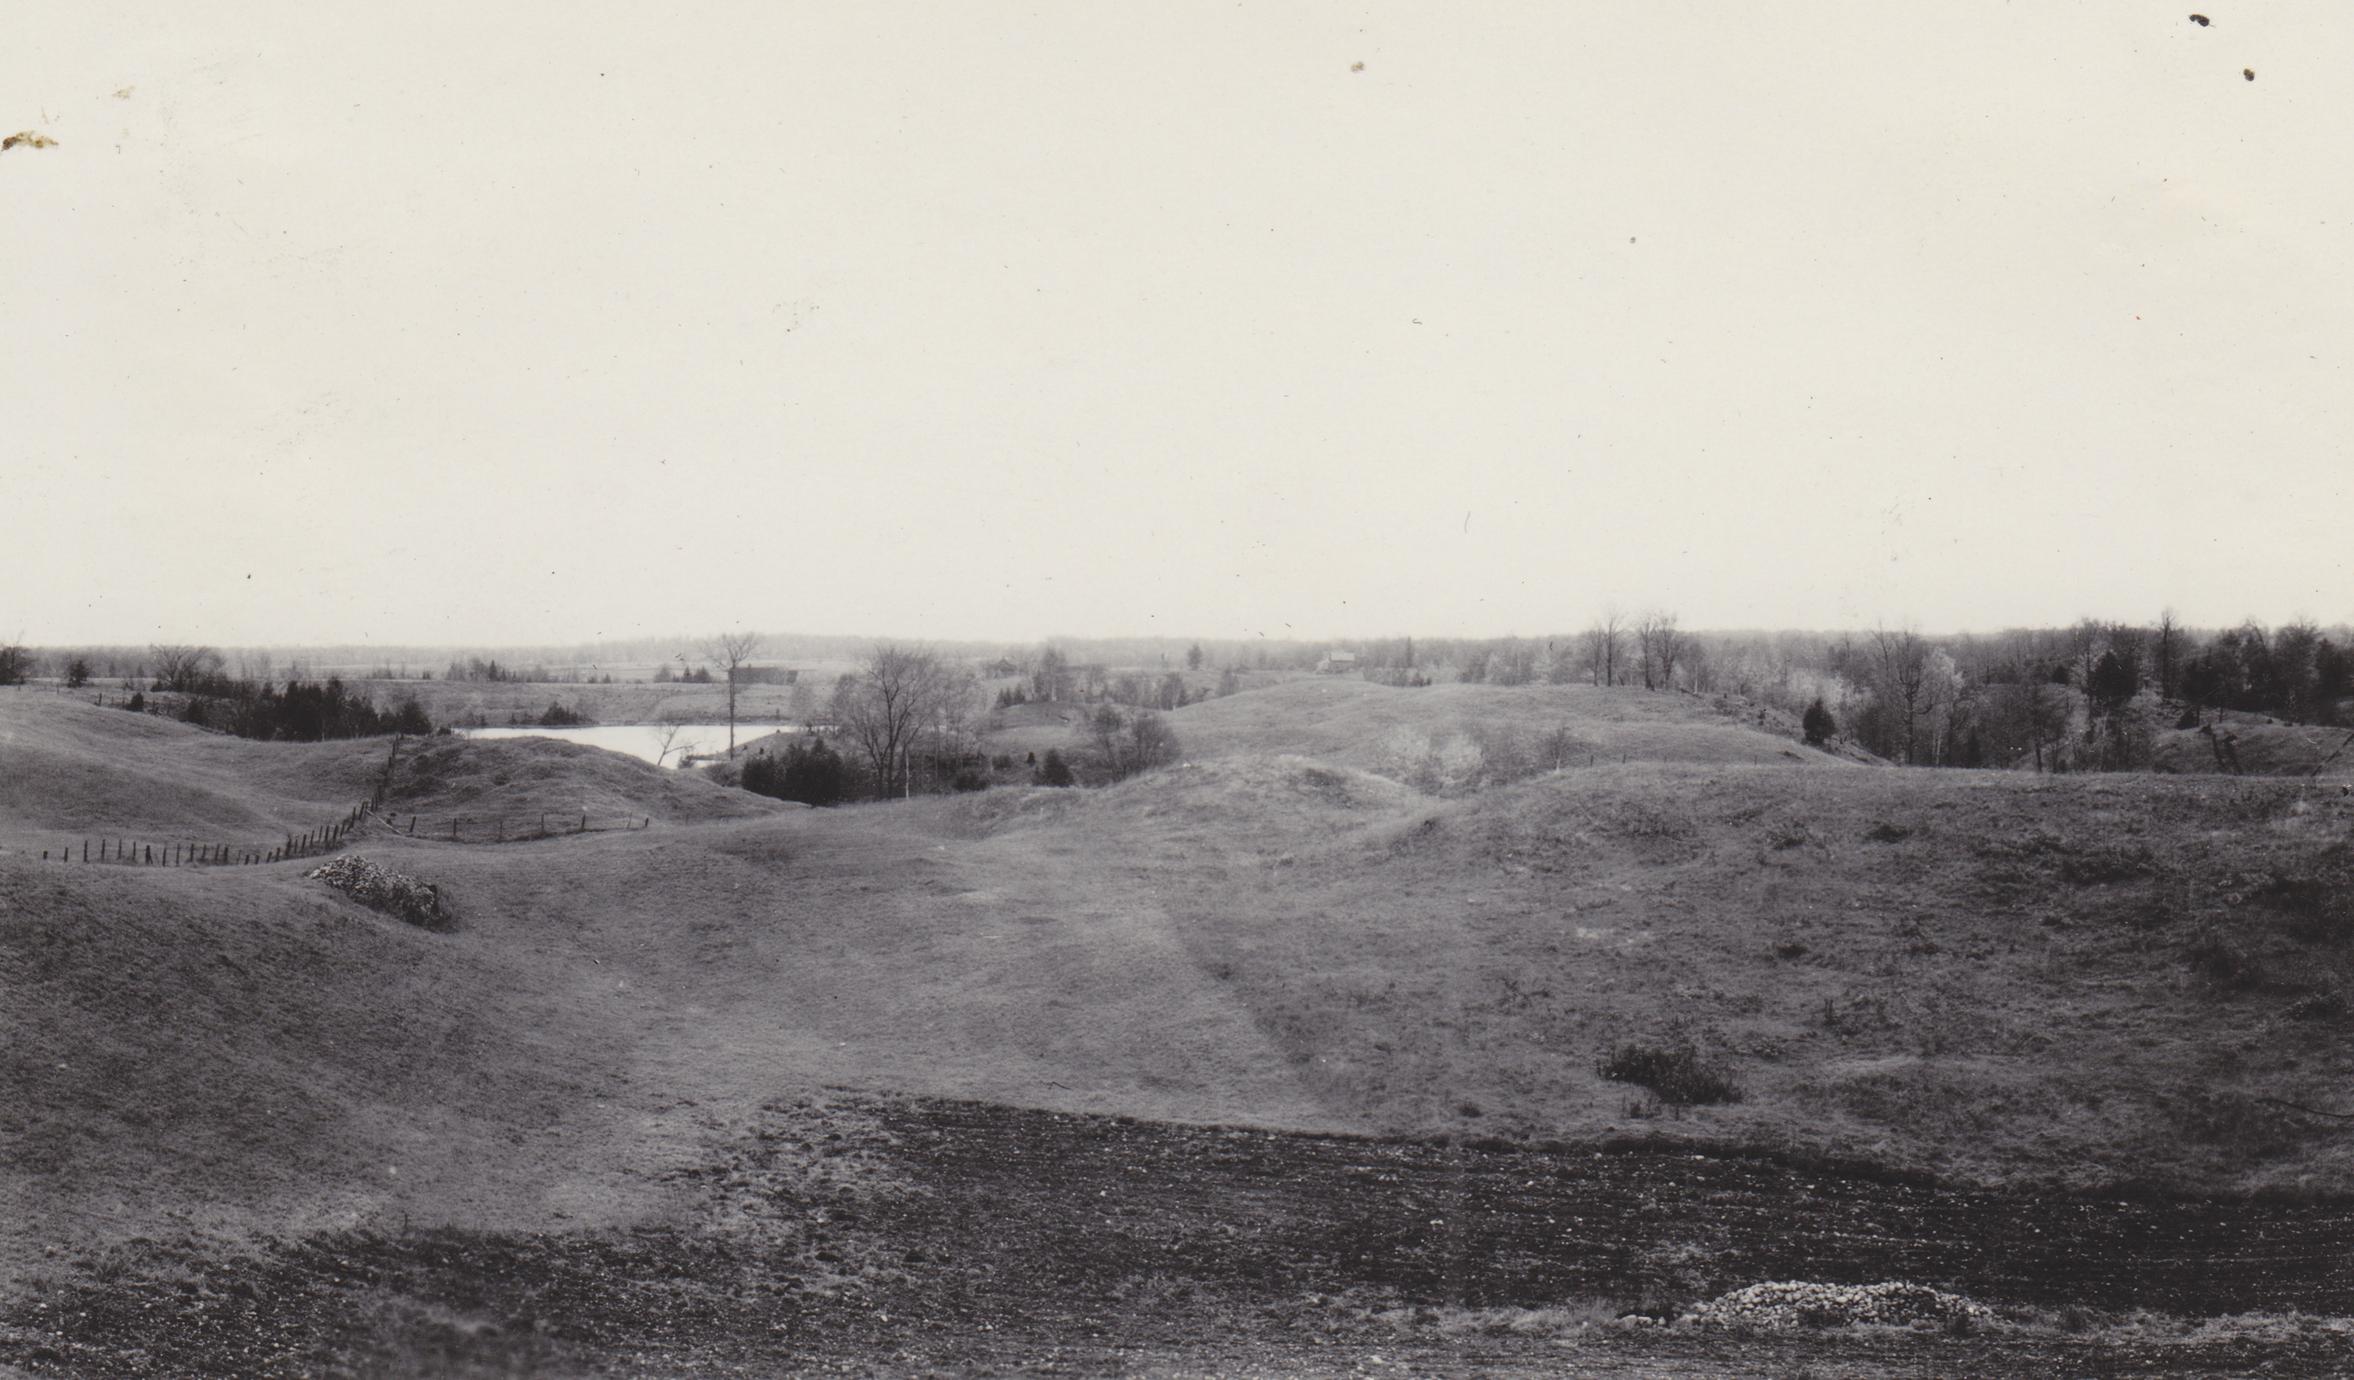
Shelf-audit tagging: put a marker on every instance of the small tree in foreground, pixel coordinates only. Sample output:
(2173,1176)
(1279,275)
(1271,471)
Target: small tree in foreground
(1818,723)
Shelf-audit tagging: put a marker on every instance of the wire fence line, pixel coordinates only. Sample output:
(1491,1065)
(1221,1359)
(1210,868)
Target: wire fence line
(118,850)
(505,828)
(130,852)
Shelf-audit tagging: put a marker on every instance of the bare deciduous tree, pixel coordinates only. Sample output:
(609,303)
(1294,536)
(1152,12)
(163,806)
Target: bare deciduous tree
(889,703)
(1605,641)
(184,668)
(667,740)
(1917,675)
(733,650)
(1051,678)
(2166,653)
(1662,644)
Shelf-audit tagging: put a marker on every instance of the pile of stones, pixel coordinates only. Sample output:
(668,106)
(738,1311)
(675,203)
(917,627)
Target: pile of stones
(392,892)
(1795,1304)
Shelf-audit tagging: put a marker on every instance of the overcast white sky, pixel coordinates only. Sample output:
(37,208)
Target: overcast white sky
(541,323)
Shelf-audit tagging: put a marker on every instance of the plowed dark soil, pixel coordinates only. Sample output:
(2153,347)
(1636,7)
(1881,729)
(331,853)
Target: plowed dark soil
(846,1234)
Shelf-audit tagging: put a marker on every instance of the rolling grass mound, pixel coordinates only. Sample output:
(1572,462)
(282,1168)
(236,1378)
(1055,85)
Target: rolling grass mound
(1435,735)
(1223,803)
(2084,980)
(520,778)
(206,1050)
(2264,749)
(69,769)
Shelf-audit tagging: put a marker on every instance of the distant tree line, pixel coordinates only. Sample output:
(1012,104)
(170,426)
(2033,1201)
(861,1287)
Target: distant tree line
(301,712)
(2089,696)
(908,722)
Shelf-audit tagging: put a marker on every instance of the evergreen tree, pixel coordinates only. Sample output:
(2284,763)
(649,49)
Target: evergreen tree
(1818,723)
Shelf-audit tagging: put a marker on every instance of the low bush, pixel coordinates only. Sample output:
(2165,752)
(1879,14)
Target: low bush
(2225,964)
(1675,1072)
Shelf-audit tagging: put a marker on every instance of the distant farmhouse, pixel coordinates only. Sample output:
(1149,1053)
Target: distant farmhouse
(1336,664)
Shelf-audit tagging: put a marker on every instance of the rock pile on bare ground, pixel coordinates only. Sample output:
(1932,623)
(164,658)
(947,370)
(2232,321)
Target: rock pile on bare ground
(394,893)
(1795,1304)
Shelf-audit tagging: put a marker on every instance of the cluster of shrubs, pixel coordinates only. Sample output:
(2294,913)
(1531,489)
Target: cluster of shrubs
(810,772)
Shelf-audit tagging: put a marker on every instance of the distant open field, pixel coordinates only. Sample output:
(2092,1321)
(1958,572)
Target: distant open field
(462,703)
(672,1091)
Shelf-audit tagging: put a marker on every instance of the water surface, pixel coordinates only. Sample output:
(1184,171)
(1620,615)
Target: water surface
(642,741)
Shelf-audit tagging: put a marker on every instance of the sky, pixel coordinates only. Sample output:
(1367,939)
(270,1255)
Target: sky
(456,323)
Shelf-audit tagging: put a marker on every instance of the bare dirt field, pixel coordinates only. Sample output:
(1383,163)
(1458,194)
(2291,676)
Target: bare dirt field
(841,1233)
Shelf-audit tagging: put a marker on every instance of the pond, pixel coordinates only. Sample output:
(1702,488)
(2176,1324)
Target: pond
(642,741)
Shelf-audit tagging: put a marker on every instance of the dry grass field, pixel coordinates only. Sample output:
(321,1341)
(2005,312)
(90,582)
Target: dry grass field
(691,1099)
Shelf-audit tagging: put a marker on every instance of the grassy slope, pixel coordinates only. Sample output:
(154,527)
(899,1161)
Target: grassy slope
(2078,980)
(70,768)
(2003,991)
(1384,729)
(520,778)
(2264,749)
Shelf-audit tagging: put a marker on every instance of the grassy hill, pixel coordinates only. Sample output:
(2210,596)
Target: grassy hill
(68,768)
(2260,748)
(1998,978)
(1447,739)
(1388,729)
